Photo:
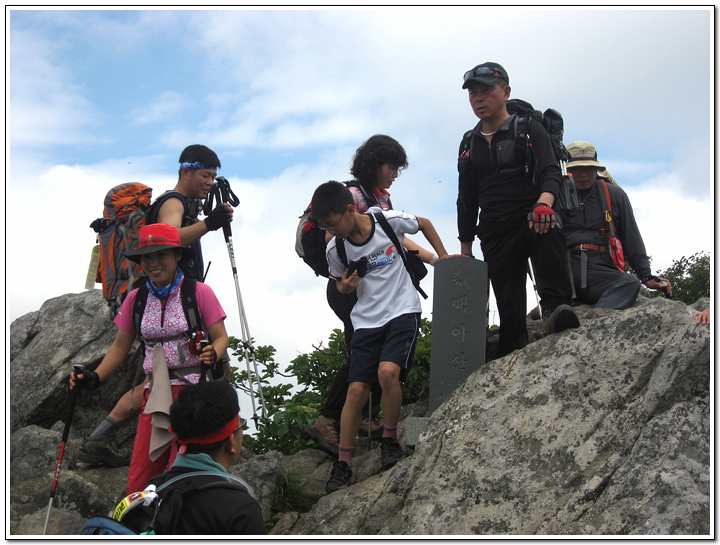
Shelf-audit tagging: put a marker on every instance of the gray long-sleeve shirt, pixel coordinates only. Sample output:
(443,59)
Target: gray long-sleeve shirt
(587,226)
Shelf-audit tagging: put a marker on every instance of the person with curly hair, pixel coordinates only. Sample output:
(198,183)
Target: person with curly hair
(376,165)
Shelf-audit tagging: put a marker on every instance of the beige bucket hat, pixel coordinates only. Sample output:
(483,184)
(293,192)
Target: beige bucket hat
(583,154)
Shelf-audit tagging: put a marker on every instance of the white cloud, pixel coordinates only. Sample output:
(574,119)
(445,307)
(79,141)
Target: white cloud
(166,108)
(47,107)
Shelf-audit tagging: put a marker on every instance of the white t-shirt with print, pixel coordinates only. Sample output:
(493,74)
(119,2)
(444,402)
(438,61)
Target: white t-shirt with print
(386,291)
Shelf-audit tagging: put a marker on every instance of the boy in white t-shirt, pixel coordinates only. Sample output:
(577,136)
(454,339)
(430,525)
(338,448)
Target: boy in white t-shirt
(386,317)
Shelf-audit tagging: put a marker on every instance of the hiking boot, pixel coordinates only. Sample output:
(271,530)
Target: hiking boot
(391,452)
(100,450)
(340,477)
(560,319)
(374,425)
(325,431)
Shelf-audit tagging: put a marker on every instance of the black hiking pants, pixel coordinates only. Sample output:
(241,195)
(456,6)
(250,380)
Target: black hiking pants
(506,252)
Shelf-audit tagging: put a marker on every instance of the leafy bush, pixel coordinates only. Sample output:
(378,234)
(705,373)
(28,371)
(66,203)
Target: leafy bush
(690,277)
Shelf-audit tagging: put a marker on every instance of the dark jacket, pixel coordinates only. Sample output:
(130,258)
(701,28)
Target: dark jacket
(496,178)
(215,511)
(588,225)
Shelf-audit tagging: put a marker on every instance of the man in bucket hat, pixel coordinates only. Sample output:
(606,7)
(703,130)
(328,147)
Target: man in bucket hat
(597,277)
(516,220)
(179,208)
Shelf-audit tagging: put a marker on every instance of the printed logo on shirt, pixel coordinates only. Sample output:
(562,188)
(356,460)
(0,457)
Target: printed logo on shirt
(383,260)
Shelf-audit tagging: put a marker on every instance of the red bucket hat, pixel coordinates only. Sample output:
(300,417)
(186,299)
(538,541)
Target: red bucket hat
(157,237)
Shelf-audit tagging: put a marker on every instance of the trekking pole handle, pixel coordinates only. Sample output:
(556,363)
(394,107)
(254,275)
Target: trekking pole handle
(79,370)
(226,196)
(226,193)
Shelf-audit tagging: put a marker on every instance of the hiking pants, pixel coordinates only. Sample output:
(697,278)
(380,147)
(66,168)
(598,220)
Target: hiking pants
(142,469)
(607,286)
(506,252)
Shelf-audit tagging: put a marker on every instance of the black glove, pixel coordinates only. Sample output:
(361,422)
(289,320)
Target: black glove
(90,380)
(219,217)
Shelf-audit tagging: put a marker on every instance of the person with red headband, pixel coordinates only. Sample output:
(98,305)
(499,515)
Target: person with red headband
(172,359)
(209,430)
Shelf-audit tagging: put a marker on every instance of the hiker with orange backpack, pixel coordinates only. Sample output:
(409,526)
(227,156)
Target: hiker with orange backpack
(179,208)
(174,356)
(602,236)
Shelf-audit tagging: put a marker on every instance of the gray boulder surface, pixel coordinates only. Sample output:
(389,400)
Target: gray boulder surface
(602,430)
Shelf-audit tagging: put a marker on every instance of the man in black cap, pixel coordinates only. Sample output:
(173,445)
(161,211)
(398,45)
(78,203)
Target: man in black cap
(516,219)
(178,207)
(598,279)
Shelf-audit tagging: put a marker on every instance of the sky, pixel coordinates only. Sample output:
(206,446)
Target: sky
(99,97)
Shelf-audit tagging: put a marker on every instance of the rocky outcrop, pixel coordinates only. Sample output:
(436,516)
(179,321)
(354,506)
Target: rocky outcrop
(68,330)
(599,430)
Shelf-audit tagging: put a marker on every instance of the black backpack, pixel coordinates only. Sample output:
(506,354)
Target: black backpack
(552,122)
(162,513)
(310,239)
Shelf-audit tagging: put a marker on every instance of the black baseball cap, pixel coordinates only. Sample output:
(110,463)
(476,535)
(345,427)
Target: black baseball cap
(488,73)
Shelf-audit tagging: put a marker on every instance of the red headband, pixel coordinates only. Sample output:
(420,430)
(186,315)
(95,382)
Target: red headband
(223,433)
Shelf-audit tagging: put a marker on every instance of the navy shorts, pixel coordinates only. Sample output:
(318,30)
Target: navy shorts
(395,342)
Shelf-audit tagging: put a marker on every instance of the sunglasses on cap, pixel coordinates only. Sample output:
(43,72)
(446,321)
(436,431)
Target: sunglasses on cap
(485,72)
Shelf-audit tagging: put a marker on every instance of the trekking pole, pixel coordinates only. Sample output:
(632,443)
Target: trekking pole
(370,408)
(66,432)
(532,277)
(221,190)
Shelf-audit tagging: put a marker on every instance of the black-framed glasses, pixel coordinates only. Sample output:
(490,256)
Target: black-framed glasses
(484,71)
(333,227)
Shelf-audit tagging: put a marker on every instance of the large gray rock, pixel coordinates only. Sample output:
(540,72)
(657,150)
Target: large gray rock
(67,330)
(599,430)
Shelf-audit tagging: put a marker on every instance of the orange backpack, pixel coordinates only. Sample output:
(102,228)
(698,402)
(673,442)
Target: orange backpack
(123,215)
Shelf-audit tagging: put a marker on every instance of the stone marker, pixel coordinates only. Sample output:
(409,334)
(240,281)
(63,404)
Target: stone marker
(459,321)
(460,299)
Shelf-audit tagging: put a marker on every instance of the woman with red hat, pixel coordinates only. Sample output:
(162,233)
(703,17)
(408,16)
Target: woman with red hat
(172,356)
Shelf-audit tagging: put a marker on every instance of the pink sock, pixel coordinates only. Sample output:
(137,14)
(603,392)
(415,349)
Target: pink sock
(345,455)
(390,432)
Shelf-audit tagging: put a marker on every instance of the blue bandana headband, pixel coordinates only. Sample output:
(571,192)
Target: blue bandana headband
(196,164)
(162,293)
